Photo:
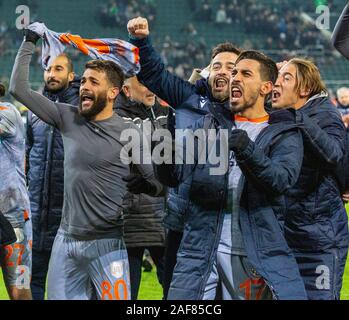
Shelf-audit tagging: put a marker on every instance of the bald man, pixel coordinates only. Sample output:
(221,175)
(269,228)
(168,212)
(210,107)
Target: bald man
(143,214)
(343,104)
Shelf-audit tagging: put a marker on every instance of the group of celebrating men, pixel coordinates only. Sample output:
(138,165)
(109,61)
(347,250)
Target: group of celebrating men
(271,226)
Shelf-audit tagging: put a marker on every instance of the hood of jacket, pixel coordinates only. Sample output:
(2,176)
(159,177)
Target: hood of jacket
(131,109)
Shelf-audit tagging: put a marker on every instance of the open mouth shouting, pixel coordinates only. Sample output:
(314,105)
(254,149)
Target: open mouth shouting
(87,100)
(236,94)
(221,84)
(276,95)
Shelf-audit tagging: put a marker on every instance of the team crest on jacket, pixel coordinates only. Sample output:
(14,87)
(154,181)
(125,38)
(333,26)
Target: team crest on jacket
(117,269)
(203,101)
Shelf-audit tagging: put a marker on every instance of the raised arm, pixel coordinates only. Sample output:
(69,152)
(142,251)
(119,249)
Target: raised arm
(44,108)
(29,142)
(340,36)
(154,75)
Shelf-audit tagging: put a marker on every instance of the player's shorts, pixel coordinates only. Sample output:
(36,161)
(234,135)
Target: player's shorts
(16,259)
(87,270)
(236,279)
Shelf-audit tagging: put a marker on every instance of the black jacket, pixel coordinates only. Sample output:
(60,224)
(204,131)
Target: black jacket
(143,214)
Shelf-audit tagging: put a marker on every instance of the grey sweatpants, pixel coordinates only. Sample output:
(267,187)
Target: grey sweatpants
(86,270)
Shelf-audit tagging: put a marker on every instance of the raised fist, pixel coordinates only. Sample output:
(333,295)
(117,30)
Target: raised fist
(138,28)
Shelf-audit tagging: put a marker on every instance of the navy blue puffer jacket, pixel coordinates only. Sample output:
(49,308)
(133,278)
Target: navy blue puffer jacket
(316,223)
(271,166)
(191,103)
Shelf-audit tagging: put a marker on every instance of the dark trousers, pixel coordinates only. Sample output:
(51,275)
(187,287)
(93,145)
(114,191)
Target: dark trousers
(39,272)
(173,241)
(135,258)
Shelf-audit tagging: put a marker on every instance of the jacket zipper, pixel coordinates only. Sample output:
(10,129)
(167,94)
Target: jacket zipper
(335,274)
(270,286)
(216,241)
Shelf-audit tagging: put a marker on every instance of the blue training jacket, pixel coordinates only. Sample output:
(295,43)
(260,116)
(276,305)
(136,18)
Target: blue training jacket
(190,101)
(271,166)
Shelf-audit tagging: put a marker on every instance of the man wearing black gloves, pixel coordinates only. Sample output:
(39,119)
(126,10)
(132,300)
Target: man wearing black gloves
(88,257)
(143,214)
(45,173)
(316,225)
(233,245)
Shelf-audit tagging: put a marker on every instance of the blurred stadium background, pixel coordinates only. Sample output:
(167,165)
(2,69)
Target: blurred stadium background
(184,31)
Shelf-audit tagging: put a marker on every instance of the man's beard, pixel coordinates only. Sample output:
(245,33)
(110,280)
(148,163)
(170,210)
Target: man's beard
(221,96)
(61,87)
(246,105)
(98,106)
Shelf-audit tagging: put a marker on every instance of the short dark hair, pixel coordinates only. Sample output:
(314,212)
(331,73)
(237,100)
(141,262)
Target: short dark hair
(268,68)
(224,47)
(69,62)
(113,72)
(2,90)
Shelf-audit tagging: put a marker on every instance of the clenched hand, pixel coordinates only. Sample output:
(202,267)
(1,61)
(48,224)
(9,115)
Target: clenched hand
(138,28)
